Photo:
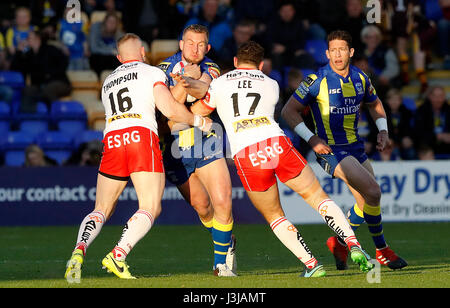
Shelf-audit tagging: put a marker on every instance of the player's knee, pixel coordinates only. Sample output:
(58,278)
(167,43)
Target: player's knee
(373,194)
(222,201)
(201,204)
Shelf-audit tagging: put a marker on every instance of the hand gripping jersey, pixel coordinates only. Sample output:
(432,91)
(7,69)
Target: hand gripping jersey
(335,102)
(245,101)
(130,140)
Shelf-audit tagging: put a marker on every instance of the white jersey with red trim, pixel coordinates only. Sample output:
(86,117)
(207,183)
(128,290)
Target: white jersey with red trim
(245,101)
(127,95)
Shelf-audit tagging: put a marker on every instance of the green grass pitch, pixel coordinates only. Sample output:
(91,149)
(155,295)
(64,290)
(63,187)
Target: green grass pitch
(181,257)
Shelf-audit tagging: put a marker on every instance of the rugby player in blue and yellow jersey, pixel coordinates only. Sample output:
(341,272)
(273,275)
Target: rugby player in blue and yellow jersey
(195,162)
(335,94)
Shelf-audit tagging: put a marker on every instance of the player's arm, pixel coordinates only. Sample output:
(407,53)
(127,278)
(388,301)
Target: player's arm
(175,111)
(378,114)
(291,113)
(193,87)
(192,71)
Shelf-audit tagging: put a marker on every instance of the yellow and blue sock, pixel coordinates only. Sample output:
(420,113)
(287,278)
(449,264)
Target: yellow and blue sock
(221,235)
(208,225)
(355,217)
(372,215)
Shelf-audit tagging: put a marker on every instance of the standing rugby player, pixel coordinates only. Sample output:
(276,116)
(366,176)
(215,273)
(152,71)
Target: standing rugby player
(335,94)
(194,161)
(131,150)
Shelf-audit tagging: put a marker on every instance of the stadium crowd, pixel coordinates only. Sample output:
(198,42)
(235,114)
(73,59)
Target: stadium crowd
(411,39)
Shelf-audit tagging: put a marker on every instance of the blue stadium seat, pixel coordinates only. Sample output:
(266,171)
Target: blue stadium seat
(12,79)
(54,140)
(56,145)
(33,127)
(317,48)
(14,147)
(409,103)
(69,117)
(60,156)
(70,110)
(41,112)
(71,127)
(86,136)
(15,80)
(433,10)
(5,117)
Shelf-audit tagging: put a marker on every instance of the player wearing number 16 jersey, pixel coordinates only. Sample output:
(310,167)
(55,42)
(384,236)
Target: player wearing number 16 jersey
(131,150)
(245,100)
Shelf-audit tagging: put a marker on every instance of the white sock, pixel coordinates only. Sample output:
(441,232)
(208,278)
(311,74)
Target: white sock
(291,238)
(89,229)
(135,229)
(336,220)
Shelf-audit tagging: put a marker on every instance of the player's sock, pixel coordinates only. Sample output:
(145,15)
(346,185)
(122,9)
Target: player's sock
(89,229)
(208,225)
(135,229)
(292,239)
(355,217)
(221,235)
(372,215)
(335,219)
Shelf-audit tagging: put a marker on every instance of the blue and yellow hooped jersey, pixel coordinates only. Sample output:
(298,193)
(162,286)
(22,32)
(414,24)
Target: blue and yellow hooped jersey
(335,102)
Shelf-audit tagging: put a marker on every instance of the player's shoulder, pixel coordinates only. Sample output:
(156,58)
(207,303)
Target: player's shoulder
(167,64)
(357,70)
(209,65)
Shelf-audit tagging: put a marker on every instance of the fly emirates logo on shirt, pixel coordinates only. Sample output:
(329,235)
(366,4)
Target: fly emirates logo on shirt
(351,106)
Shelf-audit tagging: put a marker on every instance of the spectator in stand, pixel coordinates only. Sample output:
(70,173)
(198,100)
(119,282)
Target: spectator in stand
(331,14)
(3,56)
(219,29)
(410,26)
(16,36)
(382,59)
(308,11)
(432,122)
(425,152)
(35,157)
(87,154)
(73,36)
(46,12)
(400,124)
(242,33)
(444,33)
(46,67)
(287,36)
(259,11)
(354,22)
(102,41)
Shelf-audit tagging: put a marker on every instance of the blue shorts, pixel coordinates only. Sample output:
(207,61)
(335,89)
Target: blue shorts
(181,161)
(330,161)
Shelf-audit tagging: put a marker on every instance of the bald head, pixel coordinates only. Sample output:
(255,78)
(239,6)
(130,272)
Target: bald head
(129,47)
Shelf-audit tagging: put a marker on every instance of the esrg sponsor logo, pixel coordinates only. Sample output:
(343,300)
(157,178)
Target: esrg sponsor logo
(263,156)
(116,141)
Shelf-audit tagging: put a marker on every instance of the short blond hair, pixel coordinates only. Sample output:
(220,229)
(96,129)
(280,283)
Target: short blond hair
(126,37)
(197,29)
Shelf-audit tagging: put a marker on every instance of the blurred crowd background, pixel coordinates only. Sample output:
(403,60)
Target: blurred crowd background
(52,69)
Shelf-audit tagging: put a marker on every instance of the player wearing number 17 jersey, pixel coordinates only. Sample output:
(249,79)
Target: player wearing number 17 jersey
(131,150)
(245,100)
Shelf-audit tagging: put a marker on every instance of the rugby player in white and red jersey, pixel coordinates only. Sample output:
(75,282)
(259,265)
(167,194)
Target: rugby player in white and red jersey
(245,100)
(130,95)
